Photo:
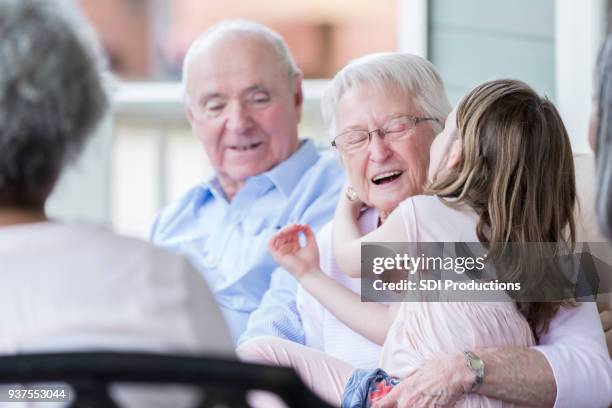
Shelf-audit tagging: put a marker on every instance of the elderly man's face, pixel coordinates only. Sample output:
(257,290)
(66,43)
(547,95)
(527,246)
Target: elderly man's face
(242,108)
(385,173)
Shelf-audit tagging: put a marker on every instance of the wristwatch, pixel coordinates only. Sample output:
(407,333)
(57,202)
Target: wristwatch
(477,366)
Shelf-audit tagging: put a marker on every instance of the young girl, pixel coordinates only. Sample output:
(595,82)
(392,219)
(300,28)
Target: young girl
(501,171)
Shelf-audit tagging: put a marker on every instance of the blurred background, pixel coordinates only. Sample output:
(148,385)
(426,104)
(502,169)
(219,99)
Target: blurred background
(144,156)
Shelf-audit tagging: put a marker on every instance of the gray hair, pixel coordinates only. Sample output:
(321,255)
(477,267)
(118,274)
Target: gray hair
(413,76)
(51,95)
(242,27)
(603,149)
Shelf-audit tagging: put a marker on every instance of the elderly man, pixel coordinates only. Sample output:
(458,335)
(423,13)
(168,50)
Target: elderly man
(243,99)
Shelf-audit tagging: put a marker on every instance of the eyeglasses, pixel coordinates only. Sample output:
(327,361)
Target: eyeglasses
(395,129)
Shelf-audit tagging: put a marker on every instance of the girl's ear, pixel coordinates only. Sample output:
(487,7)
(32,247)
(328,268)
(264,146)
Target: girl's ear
(454,154)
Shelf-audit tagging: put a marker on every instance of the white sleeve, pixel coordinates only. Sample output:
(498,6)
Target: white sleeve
(312,314)
(311,311)
(577,353)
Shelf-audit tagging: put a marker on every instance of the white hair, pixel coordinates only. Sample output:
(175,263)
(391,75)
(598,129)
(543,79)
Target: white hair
(242,27)
(412,76)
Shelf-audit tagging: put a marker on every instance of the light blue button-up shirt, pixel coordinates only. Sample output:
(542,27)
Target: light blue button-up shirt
(227,240)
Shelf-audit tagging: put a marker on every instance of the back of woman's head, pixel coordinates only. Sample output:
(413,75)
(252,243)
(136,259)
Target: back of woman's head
(603,147)
(51,95)
(517,168)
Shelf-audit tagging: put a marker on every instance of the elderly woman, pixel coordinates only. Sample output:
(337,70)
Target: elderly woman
(399,91)
(394,104)
(64,286)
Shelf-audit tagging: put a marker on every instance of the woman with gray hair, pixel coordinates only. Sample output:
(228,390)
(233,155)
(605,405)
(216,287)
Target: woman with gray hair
(402,96)
(384,111)
(73,286)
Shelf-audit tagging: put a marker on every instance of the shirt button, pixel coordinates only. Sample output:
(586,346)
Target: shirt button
(209,259)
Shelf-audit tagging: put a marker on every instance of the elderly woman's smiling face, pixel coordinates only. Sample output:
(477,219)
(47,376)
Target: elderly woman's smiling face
(385,172)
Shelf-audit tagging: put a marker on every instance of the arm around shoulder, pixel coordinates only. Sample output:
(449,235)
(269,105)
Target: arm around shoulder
(576,351)
(569,368)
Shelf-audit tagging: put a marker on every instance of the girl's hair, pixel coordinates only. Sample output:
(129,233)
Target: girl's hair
(517,172)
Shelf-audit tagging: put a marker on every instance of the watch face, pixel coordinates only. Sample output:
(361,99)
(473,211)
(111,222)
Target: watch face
(477,364)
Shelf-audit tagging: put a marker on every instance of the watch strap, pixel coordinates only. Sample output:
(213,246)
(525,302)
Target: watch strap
(477,366)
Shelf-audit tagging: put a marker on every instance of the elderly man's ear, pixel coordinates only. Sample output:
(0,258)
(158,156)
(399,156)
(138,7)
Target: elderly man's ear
(187,106)
(298,94)
(189,113)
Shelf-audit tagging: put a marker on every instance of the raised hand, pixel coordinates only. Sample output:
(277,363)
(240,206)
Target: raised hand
(286,249)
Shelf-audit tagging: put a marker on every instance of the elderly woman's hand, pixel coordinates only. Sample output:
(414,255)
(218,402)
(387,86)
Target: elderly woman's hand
(438,383)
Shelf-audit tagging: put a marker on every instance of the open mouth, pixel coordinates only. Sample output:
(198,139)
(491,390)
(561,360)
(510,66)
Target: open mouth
(245,148)
(385,178)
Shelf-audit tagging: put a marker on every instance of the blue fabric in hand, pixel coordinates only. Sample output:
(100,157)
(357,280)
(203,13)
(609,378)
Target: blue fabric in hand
(365,387)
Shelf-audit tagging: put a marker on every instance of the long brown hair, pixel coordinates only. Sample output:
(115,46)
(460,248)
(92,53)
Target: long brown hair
(517,173)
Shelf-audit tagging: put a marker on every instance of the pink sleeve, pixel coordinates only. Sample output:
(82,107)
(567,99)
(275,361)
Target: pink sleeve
(576,350)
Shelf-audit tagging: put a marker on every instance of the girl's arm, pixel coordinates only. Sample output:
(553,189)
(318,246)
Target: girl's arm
(347,239)
(371,320)
(346,246)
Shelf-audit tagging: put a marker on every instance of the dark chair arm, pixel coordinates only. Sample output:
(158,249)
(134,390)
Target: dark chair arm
(90,373)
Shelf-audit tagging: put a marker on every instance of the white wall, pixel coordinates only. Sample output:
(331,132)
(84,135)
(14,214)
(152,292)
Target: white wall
(579,32)
(560,41)
(83,192)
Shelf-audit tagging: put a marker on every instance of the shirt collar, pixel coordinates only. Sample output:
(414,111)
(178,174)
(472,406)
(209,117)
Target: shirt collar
(285,176)
(209,189)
